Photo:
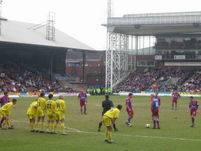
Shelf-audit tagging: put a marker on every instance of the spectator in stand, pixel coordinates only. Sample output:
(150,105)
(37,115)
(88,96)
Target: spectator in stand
(15,78)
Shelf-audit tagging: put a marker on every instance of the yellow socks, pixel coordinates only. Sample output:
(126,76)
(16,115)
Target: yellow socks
(51,127)
(8,123)
(55,127)
(4,123)
(109,136)
(62,127)
(37,126)
(31,126)
(42,126)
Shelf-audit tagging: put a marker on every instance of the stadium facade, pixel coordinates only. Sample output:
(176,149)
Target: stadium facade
(148,40)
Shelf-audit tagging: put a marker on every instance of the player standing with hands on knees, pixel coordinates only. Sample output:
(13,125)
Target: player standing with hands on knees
(107,105)
(109,119)
(4,100)
(32,113)
(5,112)
(193,105)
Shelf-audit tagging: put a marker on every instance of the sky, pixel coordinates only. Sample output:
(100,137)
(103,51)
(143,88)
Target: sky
(83,19)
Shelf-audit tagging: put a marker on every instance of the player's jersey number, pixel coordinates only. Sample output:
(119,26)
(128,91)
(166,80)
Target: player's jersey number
(156,104)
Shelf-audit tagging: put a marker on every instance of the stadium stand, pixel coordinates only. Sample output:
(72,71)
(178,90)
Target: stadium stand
(193,84)
(16,78)
(162,79)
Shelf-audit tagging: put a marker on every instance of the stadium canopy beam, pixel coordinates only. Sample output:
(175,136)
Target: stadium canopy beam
(126,38)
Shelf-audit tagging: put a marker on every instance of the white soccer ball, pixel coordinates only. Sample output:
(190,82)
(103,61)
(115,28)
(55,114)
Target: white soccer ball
(130,125)
(147,125)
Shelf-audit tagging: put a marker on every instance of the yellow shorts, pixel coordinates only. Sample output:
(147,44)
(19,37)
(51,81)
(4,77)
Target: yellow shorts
(31,116)
(2,114)
(51,117)
(107,121)
(60,116)
(40,113)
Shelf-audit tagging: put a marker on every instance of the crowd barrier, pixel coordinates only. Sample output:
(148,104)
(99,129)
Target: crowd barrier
(148,93)
(36,94)
(141,93)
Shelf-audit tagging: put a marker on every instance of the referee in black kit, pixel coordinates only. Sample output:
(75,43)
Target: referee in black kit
(107,104)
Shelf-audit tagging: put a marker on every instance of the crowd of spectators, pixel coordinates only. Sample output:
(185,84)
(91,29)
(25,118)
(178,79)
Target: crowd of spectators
(164,83)
(15,78)
(162,79)
(193,84)
(139,80)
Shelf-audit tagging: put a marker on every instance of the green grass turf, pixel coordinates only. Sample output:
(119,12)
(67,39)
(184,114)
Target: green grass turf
(175,133)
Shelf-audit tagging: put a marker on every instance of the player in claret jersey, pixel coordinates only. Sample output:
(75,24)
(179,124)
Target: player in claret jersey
(155,105)
(129,109)
(83,101)
(175,96)
(193,105)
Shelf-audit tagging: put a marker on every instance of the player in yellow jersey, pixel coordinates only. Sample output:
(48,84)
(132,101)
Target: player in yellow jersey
(41,108)
(109,119)
(60,113)
(32,113)
(5,112)
(51,113)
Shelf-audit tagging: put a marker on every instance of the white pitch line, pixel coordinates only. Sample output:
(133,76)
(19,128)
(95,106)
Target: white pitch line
(141,136)
(126,135)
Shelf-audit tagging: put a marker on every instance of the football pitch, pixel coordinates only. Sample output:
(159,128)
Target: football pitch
(175,133)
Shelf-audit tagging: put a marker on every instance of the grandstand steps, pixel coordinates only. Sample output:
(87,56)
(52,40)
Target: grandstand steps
(69,85)
(75,87)
(187,80)
(172,81)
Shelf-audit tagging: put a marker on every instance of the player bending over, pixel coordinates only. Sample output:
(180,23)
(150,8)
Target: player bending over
(60,114)
(5,112)
(155,105)
(175,96)
(193,105)
(32,113)
(41,108)
(51,114)
(4,100)
(106,104)
(129,109)
(109,119)
(83,101)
